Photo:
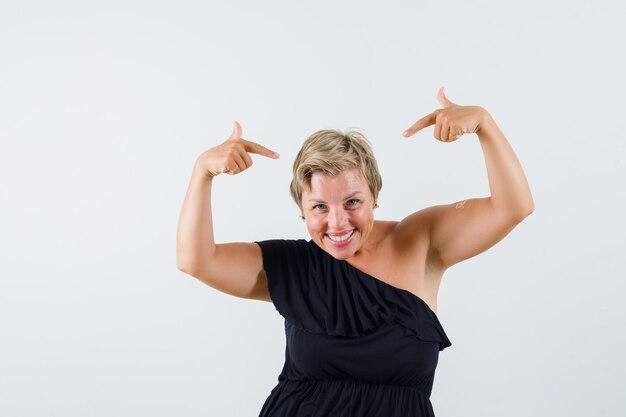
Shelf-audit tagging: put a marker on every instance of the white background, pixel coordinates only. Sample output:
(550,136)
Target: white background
(104,107)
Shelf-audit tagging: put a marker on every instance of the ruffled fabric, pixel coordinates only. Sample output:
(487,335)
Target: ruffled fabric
(323,295)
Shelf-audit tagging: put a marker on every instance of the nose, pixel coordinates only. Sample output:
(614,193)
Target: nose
(337,219)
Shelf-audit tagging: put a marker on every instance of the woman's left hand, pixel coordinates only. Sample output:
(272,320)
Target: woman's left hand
(452,121)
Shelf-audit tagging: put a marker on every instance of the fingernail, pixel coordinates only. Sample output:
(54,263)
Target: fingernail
(406,133)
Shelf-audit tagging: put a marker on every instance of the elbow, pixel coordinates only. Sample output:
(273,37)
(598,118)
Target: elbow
(525,212)
(516,212)
(192,260)
(181,267)
(183,264)
(529,208)
(524,208)
(185,259)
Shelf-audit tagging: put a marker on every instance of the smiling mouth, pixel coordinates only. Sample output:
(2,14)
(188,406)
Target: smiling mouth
(341,238)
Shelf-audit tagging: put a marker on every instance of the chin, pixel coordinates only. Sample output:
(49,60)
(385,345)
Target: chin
(343,256)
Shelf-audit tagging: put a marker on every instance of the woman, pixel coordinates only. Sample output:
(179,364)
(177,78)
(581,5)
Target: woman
(360,298)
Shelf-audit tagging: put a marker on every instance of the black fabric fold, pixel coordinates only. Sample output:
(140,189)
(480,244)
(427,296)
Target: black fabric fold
(323,295)
(355,345)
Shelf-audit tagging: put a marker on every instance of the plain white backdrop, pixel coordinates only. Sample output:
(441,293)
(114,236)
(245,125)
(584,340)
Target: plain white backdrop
(104,107)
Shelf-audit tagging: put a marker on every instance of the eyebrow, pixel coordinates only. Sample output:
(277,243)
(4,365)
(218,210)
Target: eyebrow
(346,197)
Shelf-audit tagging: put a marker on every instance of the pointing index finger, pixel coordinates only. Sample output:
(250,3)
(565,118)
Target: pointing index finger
(421,124)
(254,147)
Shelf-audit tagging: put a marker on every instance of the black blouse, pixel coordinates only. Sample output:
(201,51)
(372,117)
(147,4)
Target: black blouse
(356,346)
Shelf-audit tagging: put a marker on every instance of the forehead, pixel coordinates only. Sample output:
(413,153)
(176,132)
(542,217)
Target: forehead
(347,180)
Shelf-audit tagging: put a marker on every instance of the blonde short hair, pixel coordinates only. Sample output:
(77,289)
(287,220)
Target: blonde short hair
(330,152)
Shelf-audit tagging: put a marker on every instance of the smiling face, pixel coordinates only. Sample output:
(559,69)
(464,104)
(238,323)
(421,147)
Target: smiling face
(341,206)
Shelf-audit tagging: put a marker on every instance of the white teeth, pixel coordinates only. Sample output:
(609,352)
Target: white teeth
(341,238)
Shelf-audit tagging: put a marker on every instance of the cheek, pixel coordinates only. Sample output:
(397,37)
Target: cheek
(315,224)
(366,222)
(363,217)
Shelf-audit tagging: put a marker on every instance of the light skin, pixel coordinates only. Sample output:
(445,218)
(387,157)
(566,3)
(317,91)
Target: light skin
(334,205)
(411,254)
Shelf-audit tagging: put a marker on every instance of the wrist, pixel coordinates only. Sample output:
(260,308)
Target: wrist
(199,170)
(487,124)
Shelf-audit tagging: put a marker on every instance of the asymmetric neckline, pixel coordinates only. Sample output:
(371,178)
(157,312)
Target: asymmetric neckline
(354,344)
(372,277)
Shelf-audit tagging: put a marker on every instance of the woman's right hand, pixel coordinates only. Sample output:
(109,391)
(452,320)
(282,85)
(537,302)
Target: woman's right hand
(231,157)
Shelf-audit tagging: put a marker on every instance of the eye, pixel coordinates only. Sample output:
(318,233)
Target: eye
(355,202)
(317,205)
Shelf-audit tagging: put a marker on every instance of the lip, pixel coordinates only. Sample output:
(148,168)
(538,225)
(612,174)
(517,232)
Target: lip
(340,233)
(341,244)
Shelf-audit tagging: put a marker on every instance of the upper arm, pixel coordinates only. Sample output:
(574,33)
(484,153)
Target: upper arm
(235,269)
(461,230)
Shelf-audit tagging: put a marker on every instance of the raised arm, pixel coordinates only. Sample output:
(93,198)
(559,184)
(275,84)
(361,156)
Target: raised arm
(463,229)
(233,268)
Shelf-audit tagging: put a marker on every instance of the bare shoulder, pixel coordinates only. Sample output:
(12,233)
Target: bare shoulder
(403,258)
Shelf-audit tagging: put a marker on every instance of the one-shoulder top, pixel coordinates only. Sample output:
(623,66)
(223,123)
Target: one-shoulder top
(356,346)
